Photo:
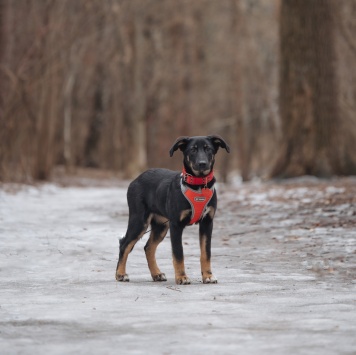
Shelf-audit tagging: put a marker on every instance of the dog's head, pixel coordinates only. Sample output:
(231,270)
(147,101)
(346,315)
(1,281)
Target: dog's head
(199,152)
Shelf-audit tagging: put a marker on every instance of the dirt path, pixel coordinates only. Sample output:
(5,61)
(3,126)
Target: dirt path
(284,255)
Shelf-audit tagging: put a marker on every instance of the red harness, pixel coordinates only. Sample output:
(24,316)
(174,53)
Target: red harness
(198,199)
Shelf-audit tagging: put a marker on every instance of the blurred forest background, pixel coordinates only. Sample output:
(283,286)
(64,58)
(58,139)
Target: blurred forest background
(111,84)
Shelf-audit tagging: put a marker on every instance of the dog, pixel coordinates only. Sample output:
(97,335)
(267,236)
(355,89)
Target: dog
(166,199)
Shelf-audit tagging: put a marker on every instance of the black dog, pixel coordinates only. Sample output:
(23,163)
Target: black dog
(168,199)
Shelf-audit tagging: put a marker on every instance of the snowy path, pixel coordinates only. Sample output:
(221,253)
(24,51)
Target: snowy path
(284,256)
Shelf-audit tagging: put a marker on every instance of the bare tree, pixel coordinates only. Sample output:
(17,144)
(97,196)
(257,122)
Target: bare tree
(112,84)
(345,13)
(311,123)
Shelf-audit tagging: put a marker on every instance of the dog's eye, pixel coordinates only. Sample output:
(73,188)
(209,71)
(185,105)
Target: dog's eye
(193,150)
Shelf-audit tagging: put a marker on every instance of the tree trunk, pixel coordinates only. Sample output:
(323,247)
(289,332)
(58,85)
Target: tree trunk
(136,124)
(308,91)
(2,87)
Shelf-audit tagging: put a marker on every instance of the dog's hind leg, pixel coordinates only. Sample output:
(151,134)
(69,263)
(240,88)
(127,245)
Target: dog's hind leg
(136,229)
(159,227)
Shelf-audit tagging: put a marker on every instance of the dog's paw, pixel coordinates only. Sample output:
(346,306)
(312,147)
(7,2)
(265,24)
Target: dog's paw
(159,277)
(122,278)
(182,280)
(210,279)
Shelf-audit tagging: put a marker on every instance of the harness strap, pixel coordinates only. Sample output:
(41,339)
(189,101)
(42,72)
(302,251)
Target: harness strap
(198,200)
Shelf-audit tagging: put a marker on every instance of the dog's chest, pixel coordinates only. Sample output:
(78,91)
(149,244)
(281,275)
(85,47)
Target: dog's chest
(198,200)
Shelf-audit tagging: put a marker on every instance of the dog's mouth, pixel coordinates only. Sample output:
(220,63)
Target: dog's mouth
(200,172)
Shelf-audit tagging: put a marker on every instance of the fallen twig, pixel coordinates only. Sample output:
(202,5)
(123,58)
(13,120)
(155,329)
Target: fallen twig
(173,288)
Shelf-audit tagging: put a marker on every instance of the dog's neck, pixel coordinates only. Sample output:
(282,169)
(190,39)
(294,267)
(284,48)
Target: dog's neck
(193,180)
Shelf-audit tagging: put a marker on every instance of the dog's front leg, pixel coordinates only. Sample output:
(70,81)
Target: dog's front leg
(205,232)
(178,255)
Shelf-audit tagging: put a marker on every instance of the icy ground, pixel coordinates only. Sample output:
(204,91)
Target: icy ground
(284,255)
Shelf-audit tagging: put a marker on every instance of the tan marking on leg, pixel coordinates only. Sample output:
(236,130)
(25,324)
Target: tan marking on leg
(184,214)
(152,264)
(150,251)
(160,219)
(211,212)
(205,264)
(180,275)
(121,269)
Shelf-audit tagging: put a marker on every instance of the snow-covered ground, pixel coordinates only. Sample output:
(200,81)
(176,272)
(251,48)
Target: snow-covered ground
(284,255)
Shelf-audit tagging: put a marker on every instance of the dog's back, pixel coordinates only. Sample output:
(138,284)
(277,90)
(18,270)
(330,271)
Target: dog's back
(151,189)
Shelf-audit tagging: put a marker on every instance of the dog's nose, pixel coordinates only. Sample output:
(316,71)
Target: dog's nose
(203,164)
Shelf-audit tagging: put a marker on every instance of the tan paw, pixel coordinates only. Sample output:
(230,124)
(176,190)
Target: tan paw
(210,279)
(122,278)
(182,280)
(159,277)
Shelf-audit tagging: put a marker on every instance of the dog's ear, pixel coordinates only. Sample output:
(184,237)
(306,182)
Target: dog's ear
(180,143)
(219,142)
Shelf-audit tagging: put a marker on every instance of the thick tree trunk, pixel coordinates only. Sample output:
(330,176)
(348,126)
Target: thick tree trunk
(308,91)
(2,87)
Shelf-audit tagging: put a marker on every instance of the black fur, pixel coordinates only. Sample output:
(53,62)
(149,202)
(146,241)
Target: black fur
(155,197)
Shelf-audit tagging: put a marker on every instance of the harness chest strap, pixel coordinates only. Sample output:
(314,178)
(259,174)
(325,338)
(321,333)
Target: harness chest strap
(198,200)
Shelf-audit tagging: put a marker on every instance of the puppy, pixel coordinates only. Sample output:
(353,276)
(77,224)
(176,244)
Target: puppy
(166,199)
